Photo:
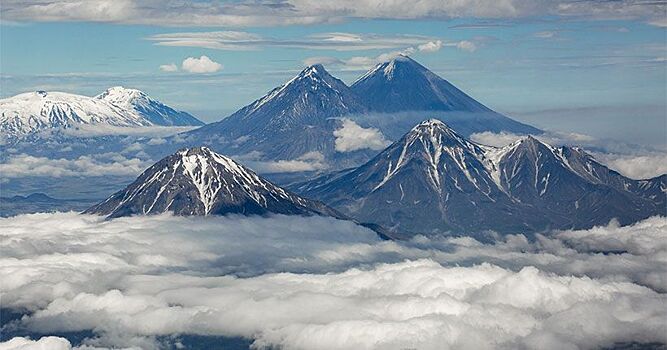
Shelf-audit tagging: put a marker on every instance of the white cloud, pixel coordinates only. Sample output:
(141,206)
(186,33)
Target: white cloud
(171,67)
(202,64)
(51,343)
(431,46)
(352,137)
(108,164)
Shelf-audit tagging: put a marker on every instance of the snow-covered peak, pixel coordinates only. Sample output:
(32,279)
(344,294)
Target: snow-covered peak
(198,181)
(122,96)
(31,112)
(313,80)
(315,75)
(437,131)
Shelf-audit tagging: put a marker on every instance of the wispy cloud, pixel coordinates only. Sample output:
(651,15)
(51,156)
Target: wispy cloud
(241,41)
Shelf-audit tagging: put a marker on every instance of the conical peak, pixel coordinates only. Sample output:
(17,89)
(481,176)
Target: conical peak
(314,71)
(437,132)
(196,150)
(530,140)
(202,151)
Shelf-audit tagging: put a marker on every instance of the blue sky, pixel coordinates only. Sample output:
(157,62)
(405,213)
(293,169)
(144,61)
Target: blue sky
(603,75)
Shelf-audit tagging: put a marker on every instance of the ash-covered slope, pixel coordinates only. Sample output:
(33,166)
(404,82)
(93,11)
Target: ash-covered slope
(31,113)
(433,180)
(293,119)
(404,87)
(198,181)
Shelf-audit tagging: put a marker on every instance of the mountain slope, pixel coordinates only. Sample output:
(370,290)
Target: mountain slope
(296,118)
(198,181)
(404,86)
(34,112)
(434,180)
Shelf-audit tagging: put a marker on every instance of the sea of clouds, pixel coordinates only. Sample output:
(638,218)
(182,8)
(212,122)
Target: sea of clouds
(321,283)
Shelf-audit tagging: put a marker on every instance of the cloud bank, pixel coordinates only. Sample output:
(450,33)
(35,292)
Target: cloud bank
(107,164)
(304,283)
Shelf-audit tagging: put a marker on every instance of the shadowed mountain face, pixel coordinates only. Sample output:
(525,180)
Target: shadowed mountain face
(433,180)
(198,181)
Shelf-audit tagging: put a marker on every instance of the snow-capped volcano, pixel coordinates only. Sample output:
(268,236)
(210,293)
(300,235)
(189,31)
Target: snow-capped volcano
(296,118)
(198,181)
(152,110)
(404,86)
(33,112)
(434,180)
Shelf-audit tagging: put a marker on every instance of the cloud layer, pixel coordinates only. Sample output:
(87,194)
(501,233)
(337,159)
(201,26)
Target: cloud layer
(317,282)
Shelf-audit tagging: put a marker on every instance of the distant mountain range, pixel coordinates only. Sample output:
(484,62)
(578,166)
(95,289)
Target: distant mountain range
(39,203)
(28,114)
(433,180)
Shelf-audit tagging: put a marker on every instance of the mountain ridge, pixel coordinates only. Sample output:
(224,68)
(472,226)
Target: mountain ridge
(433,180)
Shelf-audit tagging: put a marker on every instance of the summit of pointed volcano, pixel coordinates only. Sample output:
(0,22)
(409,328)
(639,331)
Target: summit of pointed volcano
(402,84)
